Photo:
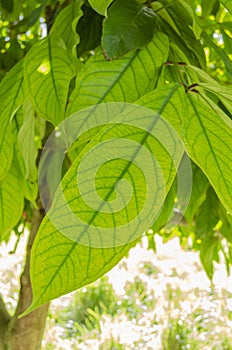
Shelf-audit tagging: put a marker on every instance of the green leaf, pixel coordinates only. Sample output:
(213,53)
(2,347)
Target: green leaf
(227,4)
(36,13)
(198,195)
(207,137)
(26,141)
(48,72)
(167,210)
(11,99)
(207,217)
(226,220)
(177,200)
(224,93)
(6,150)
(190,11)
(186,42)
(227,42)
(209,253)
(29,188)
(89,29)
(11,201)
(203,76)
(158,6)
(65,25)
(102,81)
(67,266)
(129,26)
(60,265)
(209,7)
(100,6)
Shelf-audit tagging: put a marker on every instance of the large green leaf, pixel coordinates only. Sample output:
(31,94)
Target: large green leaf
(129,26)
(67,266)
(66,22)
(125,79)
(11,99)
(48,71)
(26,141)
(59,262)
(11,201)
(100,6)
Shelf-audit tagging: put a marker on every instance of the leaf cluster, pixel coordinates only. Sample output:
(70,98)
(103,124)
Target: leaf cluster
(59,58)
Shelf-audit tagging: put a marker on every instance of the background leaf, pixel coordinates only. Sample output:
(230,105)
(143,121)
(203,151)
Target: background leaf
(207,217)
(11,98)
(36,13)
(198,195)
(6,150)
(209,253)
(48,72)
(11,201)
(89,28)
(129,26)
(7,5)
(26,141)
(100,6)
(210,7)
(65,25)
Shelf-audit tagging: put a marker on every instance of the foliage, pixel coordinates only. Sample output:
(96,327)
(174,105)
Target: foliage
(166,67)
(87,307)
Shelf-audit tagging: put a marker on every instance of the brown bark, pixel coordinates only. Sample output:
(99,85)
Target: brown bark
(4,321)
(26,333)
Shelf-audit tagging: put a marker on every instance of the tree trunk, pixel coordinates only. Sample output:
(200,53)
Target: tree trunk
(26,333)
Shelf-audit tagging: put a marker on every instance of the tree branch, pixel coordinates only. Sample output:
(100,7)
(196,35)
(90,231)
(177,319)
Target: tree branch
(4,315)
(4,321)
(26,333)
